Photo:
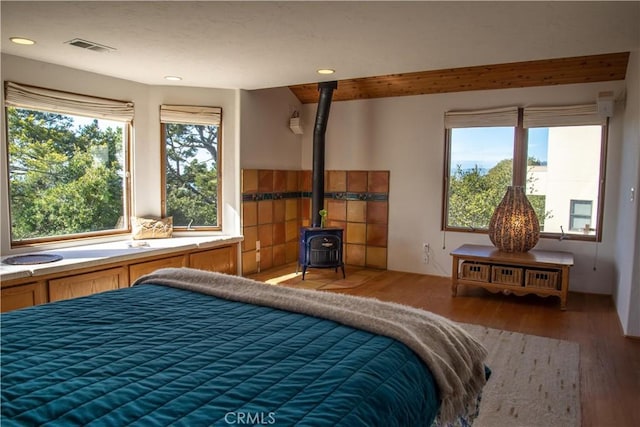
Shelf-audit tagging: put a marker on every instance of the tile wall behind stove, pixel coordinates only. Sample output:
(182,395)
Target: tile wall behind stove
(276,203)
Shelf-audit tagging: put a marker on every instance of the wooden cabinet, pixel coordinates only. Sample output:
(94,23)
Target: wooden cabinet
(72,283)
(222,260)
(88,283)
(140,269)
(22,296)
(538,272)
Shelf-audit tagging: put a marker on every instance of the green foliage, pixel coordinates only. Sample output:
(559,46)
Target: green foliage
(192,174)
(63,180)
(474,195)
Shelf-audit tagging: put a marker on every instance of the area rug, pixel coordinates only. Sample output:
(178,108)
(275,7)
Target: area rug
(535,381)
(326,279)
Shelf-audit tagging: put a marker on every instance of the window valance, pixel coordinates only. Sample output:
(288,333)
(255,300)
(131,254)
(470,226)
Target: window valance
(572,115)
(187,114)
(36,98)
(506,116)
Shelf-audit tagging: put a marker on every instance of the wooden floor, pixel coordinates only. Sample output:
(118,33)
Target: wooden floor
(609,362)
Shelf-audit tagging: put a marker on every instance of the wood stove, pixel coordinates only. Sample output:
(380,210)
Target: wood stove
(320,248)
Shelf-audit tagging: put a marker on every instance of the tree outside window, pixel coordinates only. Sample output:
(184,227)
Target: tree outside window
(192,178)
(67,175)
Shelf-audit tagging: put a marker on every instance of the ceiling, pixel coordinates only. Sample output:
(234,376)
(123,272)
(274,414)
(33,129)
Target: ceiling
(254,45)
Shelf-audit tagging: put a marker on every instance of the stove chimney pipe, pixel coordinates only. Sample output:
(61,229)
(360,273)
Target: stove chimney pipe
(322,116)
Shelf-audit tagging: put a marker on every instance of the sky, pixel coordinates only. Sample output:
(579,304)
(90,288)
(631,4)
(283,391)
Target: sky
(486,146)
(102,123)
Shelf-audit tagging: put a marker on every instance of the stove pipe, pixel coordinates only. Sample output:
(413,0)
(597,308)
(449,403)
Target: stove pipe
(322,116)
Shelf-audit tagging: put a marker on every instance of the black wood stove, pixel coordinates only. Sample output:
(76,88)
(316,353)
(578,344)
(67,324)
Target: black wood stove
(320,248)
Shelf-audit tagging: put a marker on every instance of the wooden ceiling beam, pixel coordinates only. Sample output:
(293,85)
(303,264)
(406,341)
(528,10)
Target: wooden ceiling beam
(548,72)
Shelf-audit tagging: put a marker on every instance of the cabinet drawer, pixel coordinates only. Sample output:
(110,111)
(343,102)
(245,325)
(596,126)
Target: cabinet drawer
(138,270)
(222,260)
(23,296)
(82,285)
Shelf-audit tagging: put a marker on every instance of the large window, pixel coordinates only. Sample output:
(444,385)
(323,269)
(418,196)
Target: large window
(191,158)
(67,164)
(557,153)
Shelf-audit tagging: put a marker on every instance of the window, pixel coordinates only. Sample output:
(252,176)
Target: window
(191,159)
(580,215)
(480,165)
(481,169)
(557,153)
(67,163)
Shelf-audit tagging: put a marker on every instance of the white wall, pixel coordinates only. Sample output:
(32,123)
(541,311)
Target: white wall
(146,136)
(267,141)
(573,162)
(627,251)
(405,135)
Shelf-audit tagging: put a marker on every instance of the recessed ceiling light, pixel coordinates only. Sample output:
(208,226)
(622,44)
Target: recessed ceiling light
(326,71)
(22,41)
(173,78)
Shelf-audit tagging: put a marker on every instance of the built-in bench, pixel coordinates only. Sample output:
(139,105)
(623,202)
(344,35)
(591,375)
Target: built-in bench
(88,269)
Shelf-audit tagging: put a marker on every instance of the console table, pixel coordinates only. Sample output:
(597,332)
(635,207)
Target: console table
(536,272)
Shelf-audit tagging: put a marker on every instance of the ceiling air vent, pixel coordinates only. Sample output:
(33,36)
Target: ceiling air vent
(85,44)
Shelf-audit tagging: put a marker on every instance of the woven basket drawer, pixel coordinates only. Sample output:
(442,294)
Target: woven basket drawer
(506,275)
(475,271)
(542,279)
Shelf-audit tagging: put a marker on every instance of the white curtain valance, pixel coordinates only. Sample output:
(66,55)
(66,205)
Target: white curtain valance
(193,115)
(507,116)
(572,115)
(35,98)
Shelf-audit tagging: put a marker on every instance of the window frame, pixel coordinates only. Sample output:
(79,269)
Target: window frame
(126,168)
(519,178)
(163,179)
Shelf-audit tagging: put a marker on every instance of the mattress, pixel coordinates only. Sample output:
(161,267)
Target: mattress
(156,355)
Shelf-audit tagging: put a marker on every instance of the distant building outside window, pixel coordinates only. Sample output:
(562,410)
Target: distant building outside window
(580,214)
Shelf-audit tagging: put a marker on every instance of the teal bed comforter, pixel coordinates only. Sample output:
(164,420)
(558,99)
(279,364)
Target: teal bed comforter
(158,356)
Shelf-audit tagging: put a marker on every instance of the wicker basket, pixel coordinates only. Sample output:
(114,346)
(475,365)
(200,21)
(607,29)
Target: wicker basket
(475,271)
(506,275)
(542,279)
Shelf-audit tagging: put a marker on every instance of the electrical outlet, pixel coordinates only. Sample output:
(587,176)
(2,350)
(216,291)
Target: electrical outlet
(426,252)
(258,245)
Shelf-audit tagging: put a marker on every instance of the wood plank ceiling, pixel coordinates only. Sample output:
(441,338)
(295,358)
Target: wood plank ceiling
(580,69)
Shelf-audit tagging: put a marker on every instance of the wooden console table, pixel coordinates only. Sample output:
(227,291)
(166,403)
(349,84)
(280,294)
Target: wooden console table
(536,272)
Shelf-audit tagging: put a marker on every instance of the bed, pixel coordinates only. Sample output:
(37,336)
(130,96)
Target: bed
(186,347)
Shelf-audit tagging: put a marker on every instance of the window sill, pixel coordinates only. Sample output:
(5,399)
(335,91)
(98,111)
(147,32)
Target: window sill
(555,236)
(107,253)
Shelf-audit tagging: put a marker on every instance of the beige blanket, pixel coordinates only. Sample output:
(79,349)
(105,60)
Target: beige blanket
(454,357)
